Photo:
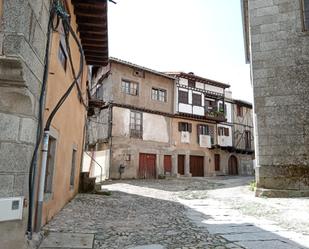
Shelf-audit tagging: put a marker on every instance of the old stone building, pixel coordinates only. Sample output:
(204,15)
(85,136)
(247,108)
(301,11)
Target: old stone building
(151,124)
(23,40)
(277,47)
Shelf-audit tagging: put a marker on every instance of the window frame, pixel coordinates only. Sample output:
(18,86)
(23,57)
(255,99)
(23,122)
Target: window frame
(62,53)
(239,111)
(182,98)
(184,126)
(134,132)
(303,15)
(248,140)
(129,87)
(194,99)
(73,167)
(158,95)
(50,165)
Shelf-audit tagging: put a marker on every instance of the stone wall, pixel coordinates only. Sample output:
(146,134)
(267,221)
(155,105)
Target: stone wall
(280,73)
(22,47)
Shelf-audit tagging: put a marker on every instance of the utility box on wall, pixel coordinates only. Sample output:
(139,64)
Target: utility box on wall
(11,208)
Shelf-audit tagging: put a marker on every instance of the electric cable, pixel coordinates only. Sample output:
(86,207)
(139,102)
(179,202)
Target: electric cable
(33,164)
(55,10)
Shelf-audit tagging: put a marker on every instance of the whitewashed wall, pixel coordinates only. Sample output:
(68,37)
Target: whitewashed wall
(155,128)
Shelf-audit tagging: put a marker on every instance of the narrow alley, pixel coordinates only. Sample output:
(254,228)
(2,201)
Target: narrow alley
(177,213)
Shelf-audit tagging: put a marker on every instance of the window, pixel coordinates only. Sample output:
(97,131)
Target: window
(62,56)
(50,164)
(99,92)
(130,88)
(222,131)
(210,105)
(183,97)
(159,94)
(222,108)
(136,125)
(73,167)
(202,130)
(248,140)
(239,111)
(183,126)
(306,15)
(196,99)
(191,83)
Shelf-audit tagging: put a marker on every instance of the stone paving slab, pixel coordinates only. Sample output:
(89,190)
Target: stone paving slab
(156,246)
(271,244)
(68,240)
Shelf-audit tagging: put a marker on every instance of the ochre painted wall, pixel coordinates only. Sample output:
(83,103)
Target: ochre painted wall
(68,123)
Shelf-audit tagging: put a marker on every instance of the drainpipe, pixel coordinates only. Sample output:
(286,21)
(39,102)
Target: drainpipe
(42,179)
(110,134)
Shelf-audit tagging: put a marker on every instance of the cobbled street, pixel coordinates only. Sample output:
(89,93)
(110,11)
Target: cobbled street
(156,214)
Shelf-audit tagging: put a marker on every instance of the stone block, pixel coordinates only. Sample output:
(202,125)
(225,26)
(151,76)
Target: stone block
(11,72)
(6,185)
(28,130)
(9,127)
(16,100)
(15,157)
(271,10)
(20,187)
(260,4)
(266,28)
(38,40)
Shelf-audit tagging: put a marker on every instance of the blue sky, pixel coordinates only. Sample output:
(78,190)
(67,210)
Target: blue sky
(200,36)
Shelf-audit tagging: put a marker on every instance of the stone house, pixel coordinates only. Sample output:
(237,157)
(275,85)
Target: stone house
(23,39)
(152,123)
(276,35)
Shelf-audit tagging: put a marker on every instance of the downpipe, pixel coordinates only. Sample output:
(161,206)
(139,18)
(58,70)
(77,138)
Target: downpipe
(42,180)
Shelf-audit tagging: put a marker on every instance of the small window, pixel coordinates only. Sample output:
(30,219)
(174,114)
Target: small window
(202,130)
(183,97)
(159,94)
(130,88)
(210,105)
(73,167)
(99,92)
(136,124)
(306,15)
(197,99)
(62,56)
(222,131)
(183,126)
(239,111)
(50,165)
(248,140)
(139,73)
(222,108)
(191,83)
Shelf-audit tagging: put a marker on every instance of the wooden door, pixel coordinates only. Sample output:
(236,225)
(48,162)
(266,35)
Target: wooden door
(233,167)
(147,166)
(197,165)
(181,164)
(217,162)
(167,164)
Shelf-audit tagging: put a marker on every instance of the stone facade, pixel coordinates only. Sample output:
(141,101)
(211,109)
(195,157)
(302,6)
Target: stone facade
(279,54)
(178,150)
(22,39)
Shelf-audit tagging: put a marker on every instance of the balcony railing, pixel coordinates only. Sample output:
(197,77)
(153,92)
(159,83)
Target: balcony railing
(215,115)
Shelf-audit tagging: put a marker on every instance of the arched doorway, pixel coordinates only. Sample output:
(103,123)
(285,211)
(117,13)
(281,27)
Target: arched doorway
(233,166)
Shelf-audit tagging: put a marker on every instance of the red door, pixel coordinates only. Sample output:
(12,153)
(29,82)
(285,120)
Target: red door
(181,164)
(167,164)
(147,166)
(233,168)
(217,162)
(197,165)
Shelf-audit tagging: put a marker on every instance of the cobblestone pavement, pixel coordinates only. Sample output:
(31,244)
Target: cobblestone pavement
(177,213)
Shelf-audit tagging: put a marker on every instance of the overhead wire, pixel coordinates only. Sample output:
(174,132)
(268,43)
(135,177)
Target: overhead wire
(57,11)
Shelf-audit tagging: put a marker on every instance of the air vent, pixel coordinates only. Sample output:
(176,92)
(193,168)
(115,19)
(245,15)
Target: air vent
(139,73)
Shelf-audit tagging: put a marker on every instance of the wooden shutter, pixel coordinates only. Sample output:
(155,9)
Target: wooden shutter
(190,127)
(198,127)
(179,126)
(226,132)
